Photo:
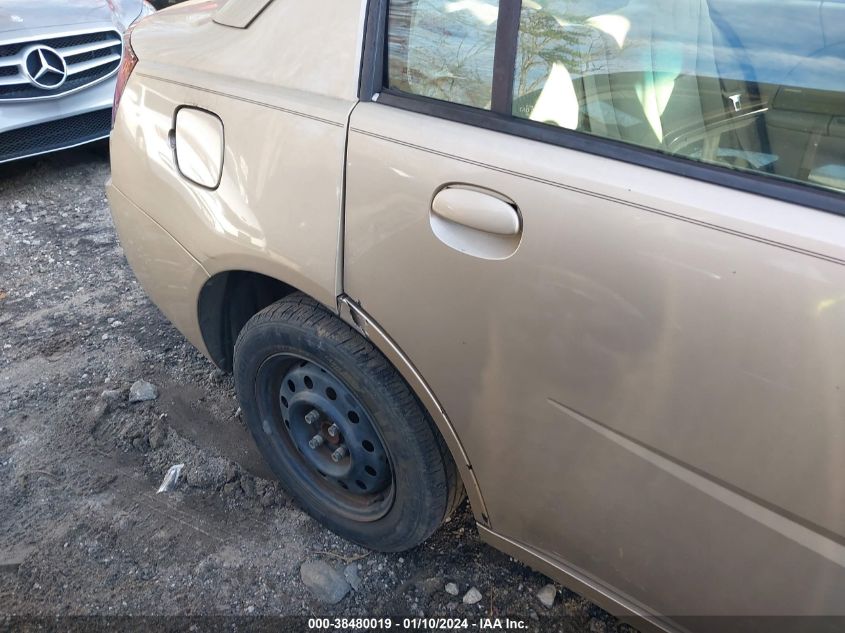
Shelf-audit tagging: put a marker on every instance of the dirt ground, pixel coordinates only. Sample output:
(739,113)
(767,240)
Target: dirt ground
(82,530)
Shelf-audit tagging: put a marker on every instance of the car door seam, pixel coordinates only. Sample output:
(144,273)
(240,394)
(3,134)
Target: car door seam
(340,264)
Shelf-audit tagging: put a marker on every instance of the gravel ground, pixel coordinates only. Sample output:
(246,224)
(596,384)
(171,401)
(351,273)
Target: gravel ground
(82,530)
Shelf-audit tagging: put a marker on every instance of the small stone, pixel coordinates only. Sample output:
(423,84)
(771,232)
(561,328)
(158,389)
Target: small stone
(142,391)
(324,582)
(231,471)
(472,596)
(452,589)
(533,615)
(547,595)
(350,572)
(248,486)
(231,487)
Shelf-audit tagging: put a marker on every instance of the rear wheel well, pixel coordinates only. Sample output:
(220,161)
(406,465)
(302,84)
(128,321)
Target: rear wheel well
(227,301)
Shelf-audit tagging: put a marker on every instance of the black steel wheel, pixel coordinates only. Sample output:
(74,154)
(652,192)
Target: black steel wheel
(340,427)
(326,435)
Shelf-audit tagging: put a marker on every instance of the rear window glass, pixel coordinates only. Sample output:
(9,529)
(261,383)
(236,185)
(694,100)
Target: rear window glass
(747,84)
(443,49)
(752,85)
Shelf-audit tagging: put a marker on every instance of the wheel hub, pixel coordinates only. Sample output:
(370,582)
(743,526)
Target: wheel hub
(332,431)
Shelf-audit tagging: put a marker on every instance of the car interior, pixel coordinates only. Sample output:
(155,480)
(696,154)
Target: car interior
(676,77)
(695,78)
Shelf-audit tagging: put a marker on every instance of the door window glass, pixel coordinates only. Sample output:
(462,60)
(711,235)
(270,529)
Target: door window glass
(754,85)
(443,49)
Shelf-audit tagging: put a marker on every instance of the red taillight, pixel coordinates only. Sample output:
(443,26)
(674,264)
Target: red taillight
(127,65)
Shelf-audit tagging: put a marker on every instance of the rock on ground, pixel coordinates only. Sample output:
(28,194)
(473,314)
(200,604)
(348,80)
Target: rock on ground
(452,589)
(352,577)
(547,596)
(472,596)
(142,391)
(325,583)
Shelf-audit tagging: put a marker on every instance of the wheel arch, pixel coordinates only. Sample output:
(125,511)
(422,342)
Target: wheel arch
(354,315)
(227,300)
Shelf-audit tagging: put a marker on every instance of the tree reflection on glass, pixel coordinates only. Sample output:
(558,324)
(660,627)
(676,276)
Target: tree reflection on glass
(443,49)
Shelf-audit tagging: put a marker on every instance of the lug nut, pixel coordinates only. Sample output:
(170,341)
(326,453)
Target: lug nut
(340,453)
(312,416)
(333,430)
(316,442)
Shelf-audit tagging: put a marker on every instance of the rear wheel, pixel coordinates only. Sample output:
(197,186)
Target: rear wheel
(340,427)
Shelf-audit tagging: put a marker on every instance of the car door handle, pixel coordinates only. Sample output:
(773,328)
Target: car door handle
(476,210)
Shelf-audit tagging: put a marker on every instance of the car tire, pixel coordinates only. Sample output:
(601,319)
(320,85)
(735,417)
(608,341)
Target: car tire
(295,361)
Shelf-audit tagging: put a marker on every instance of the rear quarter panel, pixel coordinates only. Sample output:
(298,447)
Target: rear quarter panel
(283,88)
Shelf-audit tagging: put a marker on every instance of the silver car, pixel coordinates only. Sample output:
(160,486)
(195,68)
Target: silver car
(58,63)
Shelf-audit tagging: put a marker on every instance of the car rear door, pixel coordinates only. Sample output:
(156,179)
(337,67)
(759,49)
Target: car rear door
(629,304)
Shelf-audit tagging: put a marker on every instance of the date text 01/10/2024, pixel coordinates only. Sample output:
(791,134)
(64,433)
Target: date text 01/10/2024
(447,624)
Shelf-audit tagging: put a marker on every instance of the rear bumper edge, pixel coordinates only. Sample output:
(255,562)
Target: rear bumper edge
(168,273)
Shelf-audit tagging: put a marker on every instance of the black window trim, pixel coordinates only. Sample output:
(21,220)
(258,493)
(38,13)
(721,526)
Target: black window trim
(504,61)
(373,84)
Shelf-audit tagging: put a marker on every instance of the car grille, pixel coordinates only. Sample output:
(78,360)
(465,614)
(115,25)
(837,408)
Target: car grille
(46,137)
(90,57)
